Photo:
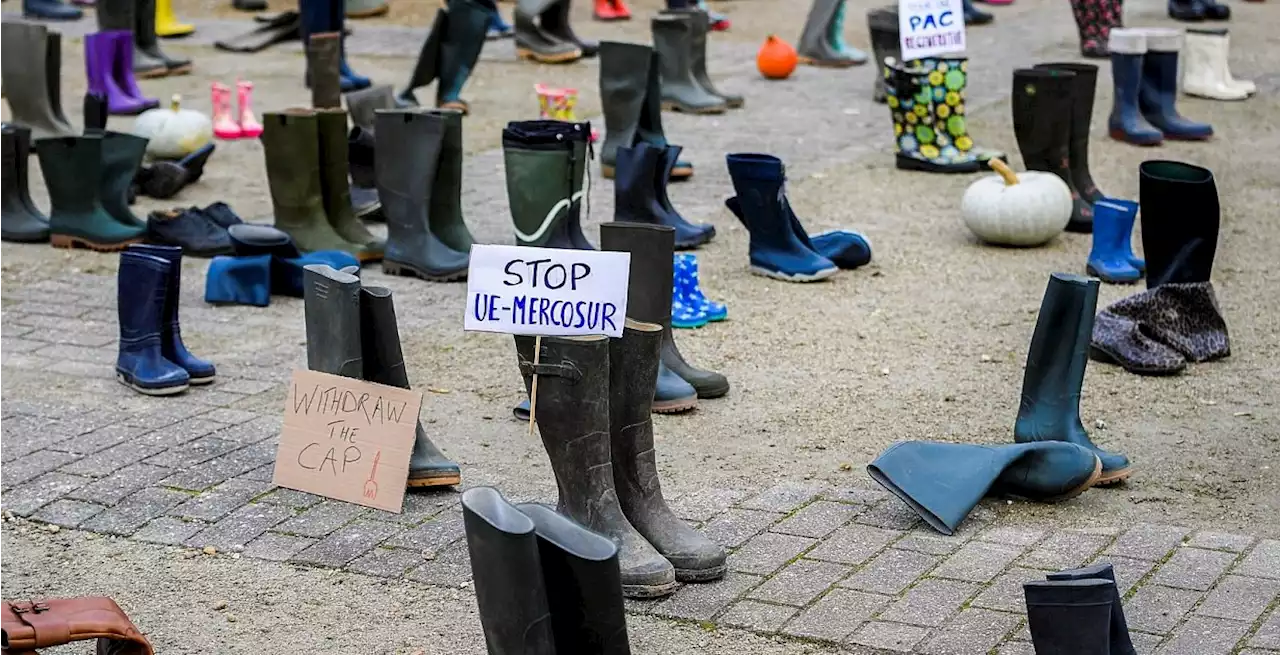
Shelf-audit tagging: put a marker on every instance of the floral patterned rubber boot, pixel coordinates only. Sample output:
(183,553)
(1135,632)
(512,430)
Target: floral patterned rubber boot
(686,279)
(1094,20)
(926,98)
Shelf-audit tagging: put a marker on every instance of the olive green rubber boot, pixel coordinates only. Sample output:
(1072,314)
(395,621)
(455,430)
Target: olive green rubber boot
(446,218)
(122,155)
(335,187)
(72,170)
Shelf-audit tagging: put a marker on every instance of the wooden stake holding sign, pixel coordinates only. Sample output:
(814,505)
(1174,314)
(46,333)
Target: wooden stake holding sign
(533,386)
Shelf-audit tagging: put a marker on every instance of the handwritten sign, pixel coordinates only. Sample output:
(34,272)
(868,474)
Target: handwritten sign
(928,28)
(547,291)
(347,439)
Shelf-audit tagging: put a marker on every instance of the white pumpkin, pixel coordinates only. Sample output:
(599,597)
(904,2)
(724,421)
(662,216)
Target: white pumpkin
(1009,209)
(173,132)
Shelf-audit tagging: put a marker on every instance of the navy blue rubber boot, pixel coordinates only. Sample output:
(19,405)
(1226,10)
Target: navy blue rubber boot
(845,248)
(50,10)
(640,193)
(776,250)
(1159,92)
(1110,258)
(1126,123)
(171,346)
(143,289)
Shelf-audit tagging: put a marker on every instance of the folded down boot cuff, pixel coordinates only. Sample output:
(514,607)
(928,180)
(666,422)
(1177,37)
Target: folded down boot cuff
(1124,41)
(1183,316)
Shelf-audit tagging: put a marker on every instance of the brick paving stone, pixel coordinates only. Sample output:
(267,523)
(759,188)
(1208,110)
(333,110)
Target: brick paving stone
(67,513)
(322,519)
(347,543)
(168,530)
(931,543)
(179,433)
(890,515)
(853,544)
(102,356)
(894,637)
(800,582)
(263,473)
(450,568)
(106,462)
(277,547)
(220,469)
(734,527)
(1159,609)
(432,536)
(229,416)
(245,387)
(386,562)
(113,488)
(784,498)
(1005,593)
(41,491)
(100,439)
(194,452)
(891,571)
(1148,541)
(1128,571)
(76,368)
(970,631)
(1268,634)
(701,602)
(240,527)
(1064,550)
(1011,535)
(1236,543)
(130,514)
(263,427)
(34,465)
(1240,599)
(221,500)
(1193,568)
(417,508)
(705,504)
(1205,636)
(931,602)
(836,615)
(26,434)
(1145,644)
(856,495)
(1263,561)
(767,552)
(1016,648)
(757,616)
(818,519)
(978,562)
(165,417)
(292,498)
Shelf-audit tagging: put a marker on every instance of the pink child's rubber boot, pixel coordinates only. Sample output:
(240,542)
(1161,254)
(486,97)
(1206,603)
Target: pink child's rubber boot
(224,126)
(250,128)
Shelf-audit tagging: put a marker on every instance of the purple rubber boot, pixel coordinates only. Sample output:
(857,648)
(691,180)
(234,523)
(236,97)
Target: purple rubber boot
(122,69)
(99,60)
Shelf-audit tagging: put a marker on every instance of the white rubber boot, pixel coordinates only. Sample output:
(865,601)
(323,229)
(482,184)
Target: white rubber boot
(1205,67)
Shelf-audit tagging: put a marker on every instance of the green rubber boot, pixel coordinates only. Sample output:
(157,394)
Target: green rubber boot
(335,187)
(446,198)
(122,154)
(72,169)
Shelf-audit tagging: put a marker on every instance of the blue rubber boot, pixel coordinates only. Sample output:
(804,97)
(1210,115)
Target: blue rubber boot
(498,28)
(1128,49)
(1159,92)
(171,346)
(845,248)
(143,290)
(50,10)
(640,193)
(1130,208)
(685,312)
(1109,256)
(693,288)
(775,250)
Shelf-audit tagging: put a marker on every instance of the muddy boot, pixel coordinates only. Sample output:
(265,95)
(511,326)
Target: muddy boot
(673,41)
(587,614)
(21,222)
(142,293)
(1070,616)
(426,68)
(631,97)
(885,43)
(72,170)
(331,305)
(1042,107)
(1158,95)
(460,50)
(408,154)
(1126,123)
(1118,627)
(171,346)
(1083,89)
(640,193)
(698,54)
(652,249)
(32,71)
(324,54)
(822,41)
(335,187)
(1180,221)
(555,21)
(384,364)
(122,155)
(148,42)
(536,43)
(1054,374)
(117,15)
(932,89)
(573,419)
(545,166)
(1094,20)
(445,215)
(510,591)
(362,104)
(291,148)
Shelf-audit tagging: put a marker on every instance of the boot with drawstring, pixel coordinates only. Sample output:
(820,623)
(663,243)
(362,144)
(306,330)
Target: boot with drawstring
(32,72)
(681,91)
(631,99)
(640,192)
(546,164)
(335,186)
(534,41)
(20,221)
(822,41)
(1042,113)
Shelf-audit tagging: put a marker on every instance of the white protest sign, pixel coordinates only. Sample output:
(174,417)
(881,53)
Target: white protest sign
(547,291)
(928,28)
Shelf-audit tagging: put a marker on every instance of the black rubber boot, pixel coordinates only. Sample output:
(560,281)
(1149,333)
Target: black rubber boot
(631,98)
(72,168)
(1069,617)
(673,41)
(335,185)
(555,21)
(534,41)
(545,169)
(507,572)
(144,35)
(32,72)
(1042,111)
(885,43)
(96,112)
(427,67)
(445,215)
(116,15)
(332,309)
(584,584)
(1121,643)
(640,194)
(1180,217)
(460,50)
(20,222)
(1084,87)
(122,154)
(361,158)
(408,146)
(698,54)
(572,413)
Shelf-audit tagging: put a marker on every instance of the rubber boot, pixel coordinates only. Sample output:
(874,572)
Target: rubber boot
(363,104)
(384,364)
(199,371)
(144,35)
(1118,628)
(1084,87)
(652,249)
(99,61)
(885,44)
(1222,41)
(1190,11)
(1054,374)
(611,10)
(573,419)
(1070,617)
(331,304)
(460,50)
(32,74)
(50,10)
(775,250)
(587,614)
(545,168)
(324,55)
(335,187)
(445,215)
(633,370)
(1110,256)
(946,147)
(1128,49)
(975,16)
(123,15)
(673,41)
(1094,21)
(1158,94)
(427,67)
(123,67)
(143,290)
(822,40)
(1214,10)
(1205,70)
(555,21)
(408,146)
(167,24)
(1042,120)
(1180,218)
(534,42)
(510,590)
(686,279)
(640,193)
(20,221)
(631,97)
(361,161)
(698,55)
(1130,208)
(327,17)
(73,172)
(122,155)
(291,148)
(845,248)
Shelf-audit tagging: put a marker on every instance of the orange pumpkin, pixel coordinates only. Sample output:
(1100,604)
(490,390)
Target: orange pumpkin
(776,59)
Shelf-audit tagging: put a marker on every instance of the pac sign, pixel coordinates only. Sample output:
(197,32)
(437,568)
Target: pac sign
(929,28)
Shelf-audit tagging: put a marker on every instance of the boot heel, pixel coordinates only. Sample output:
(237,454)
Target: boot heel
(606,171)
(148,391)
(70,242)
(1119,135)
(396,268)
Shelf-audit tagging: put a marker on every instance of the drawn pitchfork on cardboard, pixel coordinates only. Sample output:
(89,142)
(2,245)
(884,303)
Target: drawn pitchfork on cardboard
(370,485)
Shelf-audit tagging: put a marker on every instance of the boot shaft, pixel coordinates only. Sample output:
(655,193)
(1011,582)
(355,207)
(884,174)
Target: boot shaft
(1070,616)
(672,40)
(291,148)
(1180,221)
(1160,69)
(72,171)
(122,156)
(1059,350)
(335,188)
(143,288)
(1042,106)
(652,248)
(16,143)
(760,184)
(544,179)
(446,195)
(117,15)
(631,97)
(408,151)
(380,339)
(815,39)
(460,49)
(634,184)
(633,370)
(332,309)
(324,66)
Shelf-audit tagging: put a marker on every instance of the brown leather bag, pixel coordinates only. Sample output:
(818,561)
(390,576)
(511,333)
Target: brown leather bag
(28,625)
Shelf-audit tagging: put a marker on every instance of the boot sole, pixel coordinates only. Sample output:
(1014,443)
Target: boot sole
(1210,96)
(615,19)
(1120,136)
(165,391)
(369,258)
(369,13)
(1093,480)
(152,74)
(396,268)
(1109,280)
(180,70)
(799,277)
(701,575)
(1173,137)
(713,393)
(685,109)
(1114,477)
(200,382)
(563,58)
(809,61)
(677,406)
(648,591)
(70,242)
(438,481)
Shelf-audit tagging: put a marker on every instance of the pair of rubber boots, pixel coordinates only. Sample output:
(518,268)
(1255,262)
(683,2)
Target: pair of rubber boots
(631,100)
(322,26)
(926,101)
(139,18)
(88,179)
(1077,612)
(152,359)
(640,193)
(594,400)
(108,63)
(680,39)
(1111,257)
(1052,459)
(306,156)
(544,583)
(1207,69)
(352,332)
(1193,11)
(1144,68)
(543,33)
(450,52)
(31,65)
(20,221)
(822,40)
(779,246)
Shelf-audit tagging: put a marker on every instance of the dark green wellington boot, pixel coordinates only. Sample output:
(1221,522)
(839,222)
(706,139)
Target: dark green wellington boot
(114,15)
(1042,105)
(21,222)
(291,147)
(445,215)
(122,155)
(335,185)
(822,41)
(555,21)
(384,364)
(673,41)
(698,55)
(460,50)
(408,147)
(331,305)
(72,170)
(545,165)
(885,43)
(534,42)
(148,42)
(585,594)
(633,370)
(926,99)
(631,98)
(1050,408)
(511,592)
(31,75)
(426,68)
(572,414)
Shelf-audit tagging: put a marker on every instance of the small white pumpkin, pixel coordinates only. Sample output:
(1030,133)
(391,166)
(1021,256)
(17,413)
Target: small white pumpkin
(173,132)
(1016,210)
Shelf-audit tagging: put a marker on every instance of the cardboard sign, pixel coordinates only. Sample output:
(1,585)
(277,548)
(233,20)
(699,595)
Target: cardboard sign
(347,439)
(929,28)
(547,291)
